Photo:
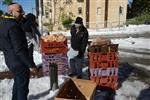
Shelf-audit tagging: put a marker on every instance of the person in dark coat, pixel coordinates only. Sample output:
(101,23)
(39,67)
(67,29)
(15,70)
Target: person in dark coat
(14,46)
(32,33)
(79,40)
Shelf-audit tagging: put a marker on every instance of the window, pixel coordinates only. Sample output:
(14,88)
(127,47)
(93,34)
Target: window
(46,14)
(120,10)
(80,10)
(99,10)
(80,0)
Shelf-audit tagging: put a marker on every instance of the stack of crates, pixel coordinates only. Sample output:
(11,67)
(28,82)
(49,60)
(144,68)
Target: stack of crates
(103,62)
(54,52)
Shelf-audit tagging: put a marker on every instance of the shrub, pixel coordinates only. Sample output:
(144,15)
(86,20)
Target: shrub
(143,19)
(66,21)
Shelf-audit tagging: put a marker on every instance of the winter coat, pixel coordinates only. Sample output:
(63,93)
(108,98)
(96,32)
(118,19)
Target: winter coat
(79,39)
(14,44)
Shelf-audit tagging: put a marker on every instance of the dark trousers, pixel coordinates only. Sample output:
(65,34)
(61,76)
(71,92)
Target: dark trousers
(21,83)
(31,49)
(76,65)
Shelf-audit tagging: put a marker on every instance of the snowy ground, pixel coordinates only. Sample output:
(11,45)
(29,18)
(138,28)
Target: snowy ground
(131,88)
(131,29)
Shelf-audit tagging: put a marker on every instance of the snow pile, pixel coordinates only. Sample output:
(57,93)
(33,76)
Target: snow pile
(130,90)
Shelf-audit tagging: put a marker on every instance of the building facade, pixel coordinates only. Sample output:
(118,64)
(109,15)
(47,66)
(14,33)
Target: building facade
(95,13)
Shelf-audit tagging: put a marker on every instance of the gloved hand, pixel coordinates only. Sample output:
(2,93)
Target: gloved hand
(80,55)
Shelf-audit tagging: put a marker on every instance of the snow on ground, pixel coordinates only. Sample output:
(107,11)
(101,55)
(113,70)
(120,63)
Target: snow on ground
(133,43)
(131,29)
(39,87)
(2,63)
(130,90)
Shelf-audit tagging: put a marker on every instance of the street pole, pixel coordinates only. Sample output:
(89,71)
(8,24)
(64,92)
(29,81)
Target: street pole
(53,76)
(119,21)
(40,17)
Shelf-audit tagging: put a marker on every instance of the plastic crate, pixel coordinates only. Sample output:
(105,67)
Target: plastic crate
(53,44)
(99,72)
(110,56)
(53,47)
(60,59)
(106,81)
(103,60)
(96,49)
(103,48)
(54,50)
(106,64)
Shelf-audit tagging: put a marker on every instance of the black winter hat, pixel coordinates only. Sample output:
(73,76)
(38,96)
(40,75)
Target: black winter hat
(30,17)
(79,20)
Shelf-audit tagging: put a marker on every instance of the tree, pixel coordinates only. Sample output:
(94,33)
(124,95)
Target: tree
(1,12)
(66,20)
(138,7)
(59,9)
(7,2)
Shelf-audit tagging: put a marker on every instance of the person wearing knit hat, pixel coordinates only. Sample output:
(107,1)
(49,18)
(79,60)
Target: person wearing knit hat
(79,40)
(79,20)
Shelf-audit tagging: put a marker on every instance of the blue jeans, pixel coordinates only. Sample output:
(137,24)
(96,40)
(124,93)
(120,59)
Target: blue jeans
(21,82)
(76,65)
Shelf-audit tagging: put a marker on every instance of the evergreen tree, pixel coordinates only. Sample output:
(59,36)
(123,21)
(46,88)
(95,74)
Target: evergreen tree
(7,2)
(138,7)
(1,12)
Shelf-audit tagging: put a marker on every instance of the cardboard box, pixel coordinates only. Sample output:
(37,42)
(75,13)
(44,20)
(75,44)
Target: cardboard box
(77,89)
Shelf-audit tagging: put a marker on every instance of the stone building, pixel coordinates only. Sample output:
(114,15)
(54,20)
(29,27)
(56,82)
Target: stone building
(95,13)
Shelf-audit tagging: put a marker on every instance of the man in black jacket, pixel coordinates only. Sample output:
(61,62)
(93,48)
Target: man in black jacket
(14,46)
(79,40)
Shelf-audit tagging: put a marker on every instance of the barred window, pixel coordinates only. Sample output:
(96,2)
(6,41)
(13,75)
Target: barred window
(80,10)
(80,0)
(120,10)
(99,10)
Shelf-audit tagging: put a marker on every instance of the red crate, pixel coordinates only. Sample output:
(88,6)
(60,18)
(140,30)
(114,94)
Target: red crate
(103,64)
(103,60)
(53,47)
(110,56)
(113,56)
(112,64)
(54,50)
(104,48)
(100,72)
(97,49)
(93,56)
(53,44)
(112,86)
(106,64)
(109,82)
(94,64)
(106,81)
(104,57)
